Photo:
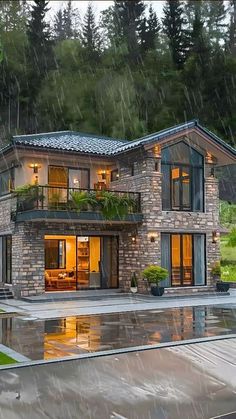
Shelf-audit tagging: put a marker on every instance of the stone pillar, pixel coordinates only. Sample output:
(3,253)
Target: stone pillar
(212,208)
(27,260)
(136,256)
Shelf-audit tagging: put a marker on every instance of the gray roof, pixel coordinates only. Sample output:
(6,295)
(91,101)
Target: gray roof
(105,146)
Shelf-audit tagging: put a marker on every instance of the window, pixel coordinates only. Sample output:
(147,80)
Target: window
(183,255)
(182,181)
(114,175)
(6,181)
(55,254)
(5,258)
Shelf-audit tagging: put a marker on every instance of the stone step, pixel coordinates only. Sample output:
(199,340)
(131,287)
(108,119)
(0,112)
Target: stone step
(6,297)
(5,290)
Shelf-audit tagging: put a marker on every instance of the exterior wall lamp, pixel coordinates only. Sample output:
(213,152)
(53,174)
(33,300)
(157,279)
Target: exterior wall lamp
(133,238)
(152,237)
(214,237)
(103,173)
(35,167)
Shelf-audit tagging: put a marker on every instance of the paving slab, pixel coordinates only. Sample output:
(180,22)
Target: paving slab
(192,381)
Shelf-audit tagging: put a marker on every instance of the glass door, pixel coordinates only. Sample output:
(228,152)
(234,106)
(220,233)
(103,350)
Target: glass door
(97,262)
(182,260)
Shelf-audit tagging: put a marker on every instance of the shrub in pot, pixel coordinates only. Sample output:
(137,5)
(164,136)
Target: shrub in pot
(221,286)
(154,275)
(133,287)
(82,200)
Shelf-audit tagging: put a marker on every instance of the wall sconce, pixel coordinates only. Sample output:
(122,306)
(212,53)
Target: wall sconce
(152,237)
(209,158)
(157,151)
(133,239)
(214,237)
(103,173)
(212,171)
(35,167)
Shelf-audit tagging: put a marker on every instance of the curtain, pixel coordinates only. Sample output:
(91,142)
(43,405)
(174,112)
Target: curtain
(199,259)
(166,258)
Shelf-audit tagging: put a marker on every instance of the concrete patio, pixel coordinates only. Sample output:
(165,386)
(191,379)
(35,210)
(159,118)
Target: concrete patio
(191,381)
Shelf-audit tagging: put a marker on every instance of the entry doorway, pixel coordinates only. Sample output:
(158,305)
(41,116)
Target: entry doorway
(81,262)
(184,257)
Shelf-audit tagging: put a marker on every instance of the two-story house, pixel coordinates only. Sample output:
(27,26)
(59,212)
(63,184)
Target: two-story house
(46,244)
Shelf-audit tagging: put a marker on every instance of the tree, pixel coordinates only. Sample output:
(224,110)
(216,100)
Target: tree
(130,16)
(232,28)
(215,13)
(40,55)
(150,28)
(174,28)
(91,39)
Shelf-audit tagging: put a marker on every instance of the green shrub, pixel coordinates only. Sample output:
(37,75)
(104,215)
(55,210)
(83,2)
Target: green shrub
(216,270)
(228,273)
(155,274)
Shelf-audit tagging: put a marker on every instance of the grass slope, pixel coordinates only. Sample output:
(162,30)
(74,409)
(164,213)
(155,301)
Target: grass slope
(5,359)
(228,259)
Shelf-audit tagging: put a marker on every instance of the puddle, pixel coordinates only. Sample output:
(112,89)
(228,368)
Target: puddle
(50,339)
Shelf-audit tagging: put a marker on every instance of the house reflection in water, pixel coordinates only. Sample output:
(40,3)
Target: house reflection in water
(50,339)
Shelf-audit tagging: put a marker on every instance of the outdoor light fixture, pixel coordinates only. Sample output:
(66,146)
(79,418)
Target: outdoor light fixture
(157,151)
(214,237)
(152,236)
(133,239)
(209,158)
(75,181)
(35,167)
(103,173)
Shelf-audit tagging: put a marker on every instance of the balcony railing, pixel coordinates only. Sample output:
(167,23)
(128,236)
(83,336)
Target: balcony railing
(112,204)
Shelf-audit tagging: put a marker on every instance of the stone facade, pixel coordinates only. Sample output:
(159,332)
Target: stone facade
(139,245)
(146,179)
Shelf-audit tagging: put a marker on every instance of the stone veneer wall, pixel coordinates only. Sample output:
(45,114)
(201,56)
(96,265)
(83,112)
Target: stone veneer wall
(134,257)
(28,238)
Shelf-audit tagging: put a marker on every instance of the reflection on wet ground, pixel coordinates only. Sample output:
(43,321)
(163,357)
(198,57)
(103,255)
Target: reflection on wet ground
(70,336)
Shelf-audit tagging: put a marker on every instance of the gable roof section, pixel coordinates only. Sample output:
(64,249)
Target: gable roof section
(160,135)
(106,146)
(70,141)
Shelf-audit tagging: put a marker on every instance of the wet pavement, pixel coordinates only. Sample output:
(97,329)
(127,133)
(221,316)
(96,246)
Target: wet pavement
(188,382)
(71,336)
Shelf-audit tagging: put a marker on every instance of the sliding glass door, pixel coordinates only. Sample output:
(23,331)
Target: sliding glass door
(97,262)
(183,255)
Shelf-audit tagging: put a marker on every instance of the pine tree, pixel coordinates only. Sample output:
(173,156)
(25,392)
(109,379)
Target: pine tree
(40,56)
(232,28)
(58,25)
(71,21)
(150,28)
(215,13)
(131,16)
(91,39)
(174,27)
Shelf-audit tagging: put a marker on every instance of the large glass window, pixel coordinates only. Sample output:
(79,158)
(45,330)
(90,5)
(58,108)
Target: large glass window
(182,181)
(6,181)
(55,254)
(183,255)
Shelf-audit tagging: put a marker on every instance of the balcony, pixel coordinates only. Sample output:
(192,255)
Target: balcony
(52,203)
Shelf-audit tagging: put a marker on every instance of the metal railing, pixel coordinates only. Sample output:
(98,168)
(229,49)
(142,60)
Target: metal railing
(54,198)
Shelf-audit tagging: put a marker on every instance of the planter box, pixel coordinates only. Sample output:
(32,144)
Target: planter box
(222,286)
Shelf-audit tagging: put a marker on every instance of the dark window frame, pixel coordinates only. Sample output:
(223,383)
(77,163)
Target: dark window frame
(181,234)
(114,175)
(11,172)
(58,254)
(191,166)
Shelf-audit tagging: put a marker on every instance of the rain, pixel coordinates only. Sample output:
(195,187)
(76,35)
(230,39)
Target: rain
(118,209)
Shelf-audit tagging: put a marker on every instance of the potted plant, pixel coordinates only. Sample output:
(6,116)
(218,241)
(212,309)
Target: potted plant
(28,197)
(154,275)
(221,286)
(83,200)
(133,287)
(113,205)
